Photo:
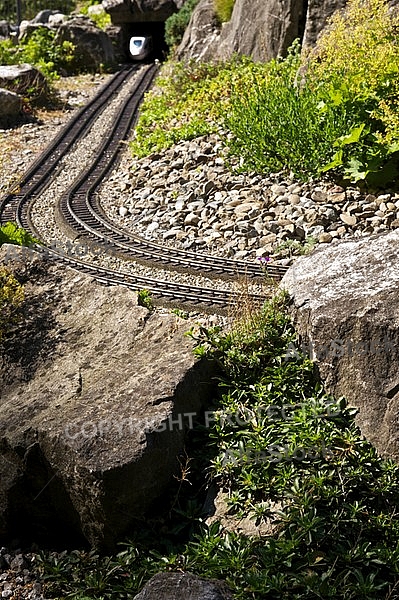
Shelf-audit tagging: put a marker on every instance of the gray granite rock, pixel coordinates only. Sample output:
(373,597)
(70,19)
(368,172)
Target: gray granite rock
(345,307)
(94,402)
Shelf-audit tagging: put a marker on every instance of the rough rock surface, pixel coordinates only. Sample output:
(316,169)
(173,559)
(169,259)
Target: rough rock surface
(317,14)
(202,34)
(44,15)
(257,28)
(261,29)
(93,46)
(345,305)
(119,37)
(94,402)
(189,198)
(19,78)
(183,586)
(10,104)
(139,11)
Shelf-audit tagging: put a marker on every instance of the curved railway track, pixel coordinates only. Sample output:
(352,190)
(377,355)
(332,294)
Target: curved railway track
(80,214)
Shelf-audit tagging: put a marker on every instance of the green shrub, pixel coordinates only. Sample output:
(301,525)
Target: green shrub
(144,298)
(342,117)
(277,125)
(189,100)
(356,64)
(41,51)
(176,24)
(330,110)
(102,19)
(223,9)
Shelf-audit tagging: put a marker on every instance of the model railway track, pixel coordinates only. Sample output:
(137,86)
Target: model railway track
(82,216)
(82,212)
(41,172)
(165,292)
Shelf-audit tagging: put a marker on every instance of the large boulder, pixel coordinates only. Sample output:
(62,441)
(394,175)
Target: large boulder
(93,48)
(317,15)
(27,29)
(21,78)
(202,34)
(345,307)
(10,105)
(139,11)
(44,15)
(183,586)
(119,37)
(97,394)
(262,29)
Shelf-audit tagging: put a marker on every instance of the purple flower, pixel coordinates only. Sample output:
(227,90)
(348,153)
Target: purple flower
(264,259)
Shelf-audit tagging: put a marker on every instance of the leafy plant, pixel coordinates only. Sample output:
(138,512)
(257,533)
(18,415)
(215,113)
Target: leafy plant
(41,50)
(102,19)
(188,101)
(278,125)
(182,314)
(176,24)
(356,64)
(10,233)
(144,299)
(290,248)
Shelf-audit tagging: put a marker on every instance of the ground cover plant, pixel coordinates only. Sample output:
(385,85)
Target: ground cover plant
(11,298)
(284,453)
(102,19)
(336,104)
(189,100)
(332,110)
(10,233)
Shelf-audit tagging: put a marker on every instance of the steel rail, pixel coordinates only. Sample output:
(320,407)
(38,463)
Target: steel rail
(83,216)
(80,210)
(42,170)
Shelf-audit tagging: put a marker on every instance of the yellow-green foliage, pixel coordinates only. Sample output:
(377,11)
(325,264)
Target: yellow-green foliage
(39,50)
(11,298)
(189,100)
(101,19)
(223,9)
(359,46)
(358,56)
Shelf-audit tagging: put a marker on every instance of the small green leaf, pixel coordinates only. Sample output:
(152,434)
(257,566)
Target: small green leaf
(337,161)
(356,170)
(351,137)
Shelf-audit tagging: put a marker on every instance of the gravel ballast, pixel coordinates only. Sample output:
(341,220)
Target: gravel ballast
(188,198)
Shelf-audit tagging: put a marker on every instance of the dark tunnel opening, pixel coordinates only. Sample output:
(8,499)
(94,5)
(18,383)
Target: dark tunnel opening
(155,31)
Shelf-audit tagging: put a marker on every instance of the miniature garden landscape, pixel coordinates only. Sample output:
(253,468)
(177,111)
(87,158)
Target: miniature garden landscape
(295,447)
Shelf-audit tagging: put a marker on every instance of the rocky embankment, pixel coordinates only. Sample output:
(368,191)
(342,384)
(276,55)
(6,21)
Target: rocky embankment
(188,197)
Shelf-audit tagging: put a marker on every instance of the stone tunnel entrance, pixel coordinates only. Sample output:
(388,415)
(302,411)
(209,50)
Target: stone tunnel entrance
(155,30)
(141,18)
